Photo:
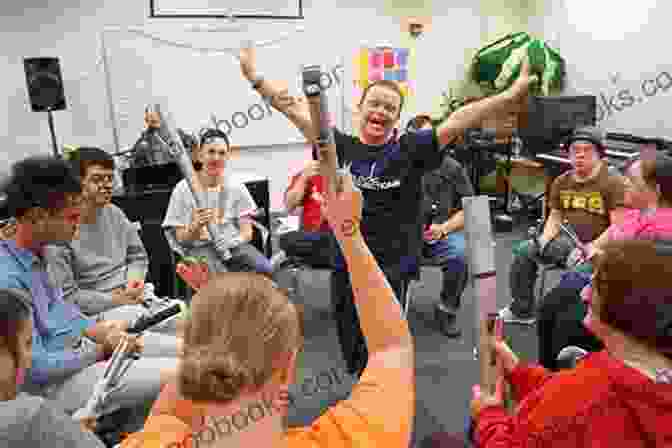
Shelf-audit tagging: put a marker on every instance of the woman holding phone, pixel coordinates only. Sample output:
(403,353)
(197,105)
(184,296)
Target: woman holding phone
(621,396)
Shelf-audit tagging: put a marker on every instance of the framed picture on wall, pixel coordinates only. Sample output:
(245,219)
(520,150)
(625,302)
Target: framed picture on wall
(243,9)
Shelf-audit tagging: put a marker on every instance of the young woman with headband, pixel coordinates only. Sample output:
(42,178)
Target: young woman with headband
(228,205)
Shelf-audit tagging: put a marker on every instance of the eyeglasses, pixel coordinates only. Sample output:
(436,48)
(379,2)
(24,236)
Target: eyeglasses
(102,180)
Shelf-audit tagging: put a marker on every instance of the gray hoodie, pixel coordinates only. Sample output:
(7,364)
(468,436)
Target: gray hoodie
(33,422)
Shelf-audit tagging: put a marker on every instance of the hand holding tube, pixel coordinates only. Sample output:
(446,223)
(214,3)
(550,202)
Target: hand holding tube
(581,253)
(116,367)
(201,217)
(315,83)
(173,143)
(121,359)
(247,58)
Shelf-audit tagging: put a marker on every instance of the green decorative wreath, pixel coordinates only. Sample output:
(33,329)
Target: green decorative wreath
(497,65)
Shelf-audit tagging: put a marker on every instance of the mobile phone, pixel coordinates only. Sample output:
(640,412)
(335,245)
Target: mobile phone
(499,329)
(495,330)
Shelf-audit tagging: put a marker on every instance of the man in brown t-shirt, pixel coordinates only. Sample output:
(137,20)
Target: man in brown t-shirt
(589,197)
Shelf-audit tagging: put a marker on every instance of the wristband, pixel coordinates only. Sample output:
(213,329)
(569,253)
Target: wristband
(349,228)
(100,355)
(257,82)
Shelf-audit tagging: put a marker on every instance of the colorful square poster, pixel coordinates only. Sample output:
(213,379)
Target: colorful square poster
(376,63)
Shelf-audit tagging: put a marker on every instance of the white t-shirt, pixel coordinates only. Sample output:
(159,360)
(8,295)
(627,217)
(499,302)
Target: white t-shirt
(232,200)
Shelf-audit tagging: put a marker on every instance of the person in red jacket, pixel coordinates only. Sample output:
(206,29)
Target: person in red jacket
(619,397)
(312,243)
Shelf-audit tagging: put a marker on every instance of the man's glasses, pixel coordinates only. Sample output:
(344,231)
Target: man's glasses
(102,180)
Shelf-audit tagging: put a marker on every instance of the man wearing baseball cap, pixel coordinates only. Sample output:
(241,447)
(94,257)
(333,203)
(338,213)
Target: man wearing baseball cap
(588,197)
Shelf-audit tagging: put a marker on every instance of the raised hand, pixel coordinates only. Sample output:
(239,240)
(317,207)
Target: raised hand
(525,80)
(506,357)
(248,61)
(282,100)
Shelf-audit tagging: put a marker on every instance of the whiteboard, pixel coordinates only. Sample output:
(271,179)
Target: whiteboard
(620,64)
(214,8)
(206,89)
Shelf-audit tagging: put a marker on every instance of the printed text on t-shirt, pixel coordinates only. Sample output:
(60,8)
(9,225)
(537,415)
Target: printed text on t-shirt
(591,202)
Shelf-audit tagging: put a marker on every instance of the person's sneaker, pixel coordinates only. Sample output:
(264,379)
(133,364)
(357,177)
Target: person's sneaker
(508,317)
(447,323)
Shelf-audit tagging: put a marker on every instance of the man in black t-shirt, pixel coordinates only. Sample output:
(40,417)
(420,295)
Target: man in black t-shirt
(388,169)
(444,241)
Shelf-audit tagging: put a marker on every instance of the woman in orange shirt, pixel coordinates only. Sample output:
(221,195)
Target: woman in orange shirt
(241,342)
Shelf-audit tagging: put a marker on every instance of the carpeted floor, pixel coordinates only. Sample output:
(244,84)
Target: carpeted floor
(445,368)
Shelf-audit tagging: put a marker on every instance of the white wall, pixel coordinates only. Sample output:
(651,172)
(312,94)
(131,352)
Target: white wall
(70,29)
(614,50)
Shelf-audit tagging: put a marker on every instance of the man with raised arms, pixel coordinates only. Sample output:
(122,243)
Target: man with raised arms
(388,168)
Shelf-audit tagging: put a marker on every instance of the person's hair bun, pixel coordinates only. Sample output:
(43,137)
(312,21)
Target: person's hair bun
(209,375)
